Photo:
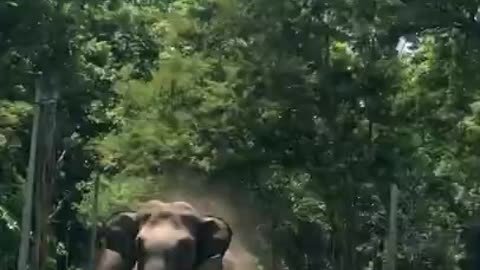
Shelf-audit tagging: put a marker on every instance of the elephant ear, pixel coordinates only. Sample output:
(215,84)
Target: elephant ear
(119,233)
(213,239)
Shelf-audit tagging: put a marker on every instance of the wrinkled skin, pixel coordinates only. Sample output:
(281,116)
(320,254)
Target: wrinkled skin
(163,236)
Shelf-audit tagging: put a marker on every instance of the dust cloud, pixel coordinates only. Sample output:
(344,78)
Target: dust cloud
(249,248)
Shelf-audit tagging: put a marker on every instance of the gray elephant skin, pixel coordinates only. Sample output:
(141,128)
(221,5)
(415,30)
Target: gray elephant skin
(161,236)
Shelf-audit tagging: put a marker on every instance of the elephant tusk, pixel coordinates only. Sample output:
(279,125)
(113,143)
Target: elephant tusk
(215,256)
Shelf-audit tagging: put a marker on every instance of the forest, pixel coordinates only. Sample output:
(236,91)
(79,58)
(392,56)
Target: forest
(289,118)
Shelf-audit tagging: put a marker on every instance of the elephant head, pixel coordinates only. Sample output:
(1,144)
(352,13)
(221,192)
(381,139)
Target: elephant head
(165,236)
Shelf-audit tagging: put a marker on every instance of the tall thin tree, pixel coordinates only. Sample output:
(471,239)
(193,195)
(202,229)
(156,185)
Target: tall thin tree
(38,174)
(29,184)
(391,241)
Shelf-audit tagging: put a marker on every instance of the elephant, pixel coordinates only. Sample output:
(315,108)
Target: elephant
(162,236)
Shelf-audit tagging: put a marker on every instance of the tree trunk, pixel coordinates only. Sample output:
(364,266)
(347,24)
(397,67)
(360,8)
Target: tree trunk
(24,249)
(275,258)
(93,239)
(47,170)
(40,176)
(391,242)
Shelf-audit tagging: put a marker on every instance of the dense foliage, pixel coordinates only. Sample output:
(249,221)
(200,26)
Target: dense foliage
(309,105)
